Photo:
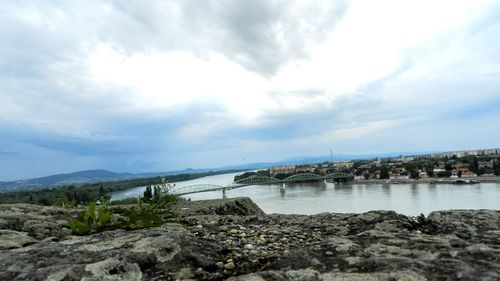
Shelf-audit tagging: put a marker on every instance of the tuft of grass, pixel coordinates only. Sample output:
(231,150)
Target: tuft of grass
(424,224)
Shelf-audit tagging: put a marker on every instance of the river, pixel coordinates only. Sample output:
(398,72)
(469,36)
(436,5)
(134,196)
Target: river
(313,198)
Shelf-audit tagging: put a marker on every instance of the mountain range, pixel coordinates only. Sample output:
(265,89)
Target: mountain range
(89,176)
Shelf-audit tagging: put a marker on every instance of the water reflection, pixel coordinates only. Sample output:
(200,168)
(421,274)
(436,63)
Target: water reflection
(414,190)
(386,189)
(343,188)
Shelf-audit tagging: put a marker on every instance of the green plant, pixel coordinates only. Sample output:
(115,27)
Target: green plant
(148,194)
(161,193)
(99,218)
(78,227)
(94,219)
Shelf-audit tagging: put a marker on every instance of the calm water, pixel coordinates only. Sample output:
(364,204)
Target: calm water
(313,198)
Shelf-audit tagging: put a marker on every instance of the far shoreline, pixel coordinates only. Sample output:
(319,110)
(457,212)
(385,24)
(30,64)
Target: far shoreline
(488,179)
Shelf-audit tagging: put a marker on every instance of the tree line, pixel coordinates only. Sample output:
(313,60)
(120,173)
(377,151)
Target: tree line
(90,192)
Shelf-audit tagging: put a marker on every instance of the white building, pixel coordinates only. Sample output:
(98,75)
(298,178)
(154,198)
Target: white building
(398,176)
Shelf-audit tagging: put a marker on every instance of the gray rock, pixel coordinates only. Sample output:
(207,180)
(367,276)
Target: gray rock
(11,239)
(43,229)
(232,206)
(313,275)
(112,269)
(230,265)
(378,245)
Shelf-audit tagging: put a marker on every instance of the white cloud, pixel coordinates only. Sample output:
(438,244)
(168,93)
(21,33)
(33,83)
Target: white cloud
(255,74)
(165,80)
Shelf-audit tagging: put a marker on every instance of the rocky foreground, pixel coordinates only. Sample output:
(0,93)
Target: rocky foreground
(233,239)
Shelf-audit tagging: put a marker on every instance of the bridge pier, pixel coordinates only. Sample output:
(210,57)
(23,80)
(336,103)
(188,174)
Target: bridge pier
(283,192)
(224,196)
(283,187)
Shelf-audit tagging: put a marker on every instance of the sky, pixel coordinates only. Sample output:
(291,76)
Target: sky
(149,86)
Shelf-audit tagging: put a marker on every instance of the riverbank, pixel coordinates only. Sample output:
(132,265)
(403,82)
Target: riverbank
(489,179)
(234,239)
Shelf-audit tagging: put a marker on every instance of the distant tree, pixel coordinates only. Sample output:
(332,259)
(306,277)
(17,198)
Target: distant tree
(157,194)
(481,171)
(430,171)
(474,166)
(413,170)
(445,174)
(384,173)
(244,175)
(414,174)
(148,194)
(265,173)
(44,201)
(448,167)
(496,168)
(366,175)
(281,176)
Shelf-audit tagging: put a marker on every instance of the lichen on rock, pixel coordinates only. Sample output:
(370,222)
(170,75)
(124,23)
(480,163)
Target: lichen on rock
(234,239)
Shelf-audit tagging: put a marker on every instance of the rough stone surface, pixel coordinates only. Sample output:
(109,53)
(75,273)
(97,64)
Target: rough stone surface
(38,221)
(237,206)
(233,239)
(11,239)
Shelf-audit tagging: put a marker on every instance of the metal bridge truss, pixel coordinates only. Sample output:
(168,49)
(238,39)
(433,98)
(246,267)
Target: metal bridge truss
(260,180)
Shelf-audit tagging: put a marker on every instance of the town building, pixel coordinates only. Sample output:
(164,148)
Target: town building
(284,169)
(423,175)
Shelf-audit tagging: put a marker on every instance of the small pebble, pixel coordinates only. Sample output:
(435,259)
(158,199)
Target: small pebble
(229,265)
(315,262)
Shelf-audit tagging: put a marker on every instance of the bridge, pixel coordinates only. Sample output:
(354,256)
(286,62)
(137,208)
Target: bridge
(261,180)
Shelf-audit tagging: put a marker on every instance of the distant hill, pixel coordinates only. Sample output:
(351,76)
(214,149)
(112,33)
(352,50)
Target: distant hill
(319,159)
(60,179)
(90,176)
(347,157)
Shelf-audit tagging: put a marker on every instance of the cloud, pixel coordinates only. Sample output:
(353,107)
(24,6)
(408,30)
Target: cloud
(265,35)
(158,85)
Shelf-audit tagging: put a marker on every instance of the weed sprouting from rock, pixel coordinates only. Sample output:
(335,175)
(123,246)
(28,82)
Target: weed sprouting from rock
(104,217)
(423,224)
